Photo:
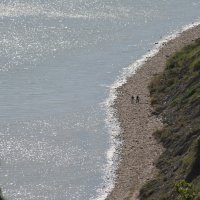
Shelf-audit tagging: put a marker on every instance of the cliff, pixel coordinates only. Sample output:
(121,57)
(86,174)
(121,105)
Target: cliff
(175,96)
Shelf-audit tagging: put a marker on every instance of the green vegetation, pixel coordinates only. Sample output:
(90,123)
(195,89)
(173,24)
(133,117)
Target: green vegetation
(175,95)
(186,191)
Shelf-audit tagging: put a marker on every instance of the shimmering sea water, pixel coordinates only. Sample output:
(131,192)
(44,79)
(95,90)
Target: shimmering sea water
(58,59)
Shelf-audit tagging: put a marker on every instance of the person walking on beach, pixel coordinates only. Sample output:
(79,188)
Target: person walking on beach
(137,99)
(132,99)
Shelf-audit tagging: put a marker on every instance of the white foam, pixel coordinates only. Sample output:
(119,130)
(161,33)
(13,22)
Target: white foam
(111,120)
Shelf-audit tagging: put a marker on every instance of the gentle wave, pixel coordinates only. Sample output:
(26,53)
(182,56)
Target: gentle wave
(111,120)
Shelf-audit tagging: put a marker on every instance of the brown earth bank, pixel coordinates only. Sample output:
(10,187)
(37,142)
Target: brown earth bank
(140,150)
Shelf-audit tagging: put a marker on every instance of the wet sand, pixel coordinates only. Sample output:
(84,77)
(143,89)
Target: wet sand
(140,150)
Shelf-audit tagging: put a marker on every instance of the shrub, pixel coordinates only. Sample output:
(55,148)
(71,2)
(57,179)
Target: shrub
(186,191)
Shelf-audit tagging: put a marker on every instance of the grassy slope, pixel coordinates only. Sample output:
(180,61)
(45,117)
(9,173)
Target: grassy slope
(176,97)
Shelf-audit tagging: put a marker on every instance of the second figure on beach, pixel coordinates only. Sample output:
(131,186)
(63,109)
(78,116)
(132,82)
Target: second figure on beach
(137,99)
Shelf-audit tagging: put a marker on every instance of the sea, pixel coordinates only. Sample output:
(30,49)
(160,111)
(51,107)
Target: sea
(60,64)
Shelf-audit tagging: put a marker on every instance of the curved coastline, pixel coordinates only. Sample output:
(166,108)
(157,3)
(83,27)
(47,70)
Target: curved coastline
(133,125)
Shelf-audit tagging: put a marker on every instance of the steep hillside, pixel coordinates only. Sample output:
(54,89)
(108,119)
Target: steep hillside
(175,95)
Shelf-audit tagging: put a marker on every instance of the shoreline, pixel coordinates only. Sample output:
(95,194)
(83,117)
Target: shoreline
(140,150)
